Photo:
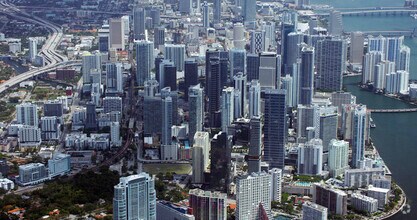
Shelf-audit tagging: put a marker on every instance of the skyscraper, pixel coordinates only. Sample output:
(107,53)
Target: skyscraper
(144,60)
(176,53)
(292,45)
(117,34)
(166,120)
(255,145)
(269,70)
(115,139)
(206,15)
(239,36)
(33,49)
(220,165)
(227,107)
(253,196)
(237,61)
(358,135)
(201,156)
(338,159)
(306,76)
(135,198)
(89,62)
(252,67)
(159,36)
(331,64)
(275,127)
(208,205)
(217,11)
(196,110)
(335,23)
(213,89)
(357,41)
(139,23)
(114,83)
(249,12)
(276,175)
(370,60)
(112,104)
(190,75)
(254,99)
(310,157)
(240,95)
(326,128)
(91,117)
(27,114)
(185,6)
(257,41)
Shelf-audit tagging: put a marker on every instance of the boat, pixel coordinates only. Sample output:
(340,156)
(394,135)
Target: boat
(414,16)
(372,123)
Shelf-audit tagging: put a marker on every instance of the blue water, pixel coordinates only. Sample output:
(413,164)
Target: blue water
(394,135)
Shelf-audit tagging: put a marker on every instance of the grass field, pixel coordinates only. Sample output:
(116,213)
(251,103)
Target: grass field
(164,168)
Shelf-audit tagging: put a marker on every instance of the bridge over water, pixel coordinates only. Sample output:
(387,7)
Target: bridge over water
(403,110)
(376,12)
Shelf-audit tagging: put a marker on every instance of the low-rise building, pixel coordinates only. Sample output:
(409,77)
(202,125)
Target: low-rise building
(313,211)
(6,184)
(361,177)
(364,203)
(31,174)
(81,158)
(59,165)
(379,194)
(168,211)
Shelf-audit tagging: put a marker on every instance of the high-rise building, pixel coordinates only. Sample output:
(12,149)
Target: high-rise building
(176,53)
(185,6)
(331,64)
(252,67)
(338,158)
(220,165)
(333,199)
(237,59)
(170,211)
(201,156)
(239,39)
(255,145)
(381,70)
(253,196)
(357,41)
(51,128)
(89,62)
(275,127)
(249,12)
(310,157)
(139,23)
(313,211)
(306,117)
(115,139)
(292,45)
(33,49)
(240,95)
(117,34)
(403,62)
(270,34)
(168,75)
(190,75)
(213,89)
(269,70)
(114,75)
(53,108)
(91,116)
(326,128)
(254,99)
(397,82)
(257,41)
(159,36)
(196,110)
(358,135)
(103,38)
(32,173)
(27,114)
(208,205)
(165,92)
(144,61)
(335,23)
(29,136)
(287,85)
(135,198)
(112,104)
(217,11)
(206,15)
(166,138)
(155,14)
(306,76)
(364,203)
(227,107)
(370,60)
(152,111)
(276,187)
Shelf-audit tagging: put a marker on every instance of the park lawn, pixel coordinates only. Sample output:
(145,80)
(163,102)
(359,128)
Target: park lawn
(46,93)
(164,168)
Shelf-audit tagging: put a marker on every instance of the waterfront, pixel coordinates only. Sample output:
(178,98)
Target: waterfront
(394,135)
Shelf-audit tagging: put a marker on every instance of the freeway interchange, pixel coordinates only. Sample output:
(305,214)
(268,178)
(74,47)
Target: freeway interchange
(51,57)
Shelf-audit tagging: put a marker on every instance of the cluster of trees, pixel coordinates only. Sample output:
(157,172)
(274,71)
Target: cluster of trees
(78,195)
